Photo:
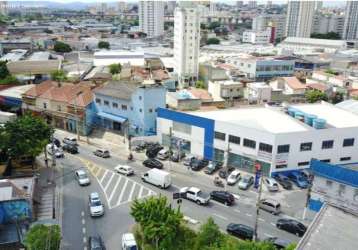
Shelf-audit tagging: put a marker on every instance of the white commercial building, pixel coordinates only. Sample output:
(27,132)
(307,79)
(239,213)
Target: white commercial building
(279,139)
(351,23)
(299,18)
(258,92)
(261,22)
(257,37)
(186,42)
(297,44)
(151,18)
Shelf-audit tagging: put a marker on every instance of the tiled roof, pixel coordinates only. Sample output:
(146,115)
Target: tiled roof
(200,93)
(317,86)
(39,89)
(160,74)
(33,67)
(294,83)
(121,90)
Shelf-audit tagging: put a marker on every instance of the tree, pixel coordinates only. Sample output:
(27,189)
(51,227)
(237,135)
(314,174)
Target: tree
(4,72)
(214,25)
(200,84)
(10,79)
(337,97)
(61,47)
(209,236)
(58,75)
(103,45)
(329,35)
(42,237)
(355,98)
(213,40)
(115,68)
(313,96)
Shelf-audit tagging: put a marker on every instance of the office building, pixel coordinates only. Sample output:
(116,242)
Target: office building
(299,18)
(324,24)
(257,37)
(151,18)
(276,21)
(350,31)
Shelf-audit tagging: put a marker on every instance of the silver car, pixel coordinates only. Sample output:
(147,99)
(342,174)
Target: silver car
(245,182)
(271,184)
(82,177)
(95,205)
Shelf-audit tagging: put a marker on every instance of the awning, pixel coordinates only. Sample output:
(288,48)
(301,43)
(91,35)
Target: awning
(115,118)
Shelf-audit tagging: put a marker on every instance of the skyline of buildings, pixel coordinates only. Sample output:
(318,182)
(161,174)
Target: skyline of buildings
(351,21)
(299,18)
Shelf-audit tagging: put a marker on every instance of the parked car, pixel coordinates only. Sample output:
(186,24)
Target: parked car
(128,242)
(140,147)
(195,194)
(284,181)
(246,181)
(158,178)
(278,242)
(291,226)
(223,197)
(176,157)
(298,179)
(95,205)
(124,169)
(198,164)
(163,154)
(188,159)
(70,148)
(233,177)
(70,140)
(102,153)
(57,142)
(153,150)
(53,149)
(82,177)
(270,205)
(271,184)
(152,163)
(241,231)
(212,167)
(95,243)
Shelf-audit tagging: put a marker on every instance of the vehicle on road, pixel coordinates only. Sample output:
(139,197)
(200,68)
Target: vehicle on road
(124,169)
(213,167)
(195,194)
(278,242)
(157,177)
(163,154)
(176,157)
(246,182)
(82,177)
(153,163)
(140,147)
(188,159)
(102,153)
(223,196)
(153,150)
(70,140)
(226,171)
(284,181)
(95,205)
(128,242)
(241,231)
(233,177)
(270,205)
(298,179)
(70,148)
(291,226)
(271,184)
(53,149)
(198,164)
(95,243)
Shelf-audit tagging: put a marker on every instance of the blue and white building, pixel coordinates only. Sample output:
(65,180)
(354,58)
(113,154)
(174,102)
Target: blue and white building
(129,107)
(281,139)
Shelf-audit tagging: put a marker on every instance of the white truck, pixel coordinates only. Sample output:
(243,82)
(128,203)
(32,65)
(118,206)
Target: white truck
(195,194)
(157,177)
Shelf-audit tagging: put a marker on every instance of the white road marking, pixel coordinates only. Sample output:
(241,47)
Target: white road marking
(84,239)
(122,193)
(109,181)
(131,193)
(260,219)
(140,192)
(97,170)
(249,215)
(104,175)
(220,216)
(85,248)
(84,230)
(114,189)
(273,224)
(237,210)
(83,213)
(83,221)
(268,235)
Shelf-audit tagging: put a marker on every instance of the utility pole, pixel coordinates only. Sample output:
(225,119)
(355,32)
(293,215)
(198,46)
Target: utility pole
(226,161)
(170,147)
(308,197)
(77,116)
(258,172)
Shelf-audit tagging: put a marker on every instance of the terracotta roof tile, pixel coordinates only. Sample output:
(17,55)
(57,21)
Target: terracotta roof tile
(294,83)
(200,93)
(317,86)
(40,89)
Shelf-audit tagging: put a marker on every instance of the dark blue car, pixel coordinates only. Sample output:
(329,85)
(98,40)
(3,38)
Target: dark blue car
(298,179)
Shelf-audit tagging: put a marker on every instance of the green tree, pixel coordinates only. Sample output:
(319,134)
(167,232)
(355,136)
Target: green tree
(115,68)
(209,236)
(103,45)
(4,72)
(10,79)
(337,97)
(214,25)
(199,84)
(62,47)
(42,237)
(355,98)
(58,75)
(313,96)
(213,40)
(292,246)
(329,35)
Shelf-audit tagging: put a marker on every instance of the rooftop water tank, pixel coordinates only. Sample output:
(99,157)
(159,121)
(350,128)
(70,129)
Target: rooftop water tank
(309,119)
(319,123)
(292,111)
(299,115)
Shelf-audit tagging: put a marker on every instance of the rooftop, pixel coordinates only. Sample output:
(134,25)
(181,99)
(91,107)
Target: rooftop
(121,90)
(17,91)
(293,82)
(315,42)
(348,105)
(33,67)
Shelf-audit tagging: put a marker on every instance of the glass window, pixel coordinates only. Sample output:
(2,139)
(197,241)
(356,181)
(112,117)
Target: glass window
(98,100)
(326,160)
(306,146)
(124,107)
(234,139)
(345,159)
(281,166)
(341,189)
(150,110)
(140,110)
(45,105)
(348,142)
(303,163)
(140,97)
(265,147)
(327,144)
(106,103)
(220,136)
(132,108)
(249,143)
(283,149)
(329,183)
(114,105)
(182,127)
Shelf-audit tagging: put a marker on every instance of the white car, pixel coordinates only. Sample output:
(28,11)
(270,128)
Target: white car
(271,184)
(128,242)
(53,149)
(95,205)
(70,140)
(233,177)
(124,169)
(82,177)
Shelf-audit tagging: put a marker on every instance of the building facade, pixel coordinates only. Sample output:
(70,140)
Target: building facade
(328,23)
(151,18)
(350,31)
(299,18)
(261,22)
(257,37)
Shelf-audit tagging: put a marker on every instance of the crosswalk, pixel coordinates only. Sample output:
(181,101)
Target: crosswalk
(118,189)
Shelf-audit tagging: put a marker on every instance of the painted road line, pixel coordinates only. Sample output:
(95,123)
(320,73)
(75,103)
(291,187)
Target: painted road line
(268,235)
(83,213)
(260,219)
(249,215)
(132,190)
(122,193)
(114,189)
(85,248)
(109,181)
(273,224)
(96,171)
(104,176)
(220,216)
(84,230)
(237,210)
(84,239)
(83,221)
(140,192)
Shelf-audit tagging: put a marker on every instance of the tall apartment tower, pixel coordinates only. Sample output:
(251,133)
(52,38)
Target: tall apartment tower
(299,18)
(186,42)
(350,30)
(151,18)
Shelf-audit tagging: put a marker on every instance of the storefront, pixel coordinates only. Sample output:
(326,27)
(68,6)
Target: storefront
(247,164)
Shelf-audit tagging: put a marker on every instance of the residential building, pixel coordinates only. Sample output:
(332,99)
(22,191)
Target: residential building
(12,97)
(252,4)
(324,24)
(288,85)
(318,5)
(280,139)
(183,100)
(350,31)
(349,105)
(257,37)
(299,18)
(8,45)
(257,92)
(226,89)
(151,18)
(278,21)
(186,42)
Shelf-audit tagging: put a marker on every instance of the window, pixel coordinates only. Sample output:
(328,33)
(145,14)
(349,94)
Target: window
(140,97)
(249,143)
(283,149)
(140,110)
(348,142)
(345,159)
(124,107)
(220,136)
(58,107)
(306,146)
(182,127)
(106,103)
(341,189)
(265,147)
(303,163)
(281,166)
(45,105)
(234,139)
(98,100)
(132,108)
(325,160)
(150,110)
(327,144)
(114,105)
(329,183)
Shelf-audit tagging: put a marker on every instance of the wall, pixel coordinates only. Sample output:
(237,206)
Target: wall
(14,210)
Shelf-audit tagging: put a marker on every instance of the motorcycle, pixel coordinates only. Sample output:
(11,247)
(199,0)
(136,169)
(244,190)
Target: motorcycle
(218,182)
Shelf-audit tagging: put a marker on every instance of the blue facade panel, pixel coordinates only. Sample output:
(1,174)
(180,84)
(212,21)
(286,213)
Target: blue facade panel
(205,123)
(14,210)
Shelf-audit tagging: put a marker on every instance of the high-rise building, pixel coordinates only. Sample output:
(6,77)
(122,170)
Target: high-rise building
(151,18)
(318,5)
(186,42)
(299,18)
(269,4)
(350,31)
(122,7)
(261,22)
(239,4)
(328,23)
(252,4)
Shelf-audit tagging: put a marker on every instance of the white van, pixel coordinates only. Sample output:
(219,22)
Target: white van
(158,178)
(128,242)
(270,205)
